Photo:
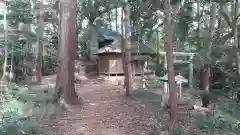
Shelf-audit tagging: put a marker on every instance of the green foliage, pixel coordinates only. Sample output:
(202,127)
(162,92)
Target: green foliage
(181,131)
(211,124)
(160,70)
(22,109)
(236,127)
(183,22)
(49,65)
(51,34)
(147,96)
(19,11)
(13,124)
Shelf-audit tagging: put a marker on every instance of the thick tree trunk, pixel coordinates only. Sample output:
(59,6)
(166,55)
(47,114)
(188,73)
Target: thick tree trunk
(67,51)
(168,46)
(127,51)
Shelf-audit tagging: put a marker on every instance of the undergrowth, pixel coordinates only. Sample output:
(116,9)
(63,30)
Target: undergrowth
(22,109)
(210,125)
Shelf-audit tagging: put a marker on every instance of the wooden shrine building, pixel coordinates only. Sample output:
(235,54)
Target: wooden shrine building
(110,54)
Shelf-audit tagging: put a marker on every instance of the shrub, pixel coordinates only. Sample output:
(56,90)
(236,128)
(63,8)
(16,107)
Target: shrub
(21,110)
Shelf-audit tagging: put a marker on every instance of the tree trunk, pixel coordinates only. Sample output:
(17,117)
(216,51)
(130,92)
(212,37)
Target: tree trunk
(205,77)
(5,47)
(122,22)
(127,53)
(206,70)
(211,29)
(122,47)
(40,30)
(199,22)
(90,28)
(236,38)
(67,51)
(11,73)
(4,75)
(116,18)
(168,46)
(109,19)
(158,49)
(58,79)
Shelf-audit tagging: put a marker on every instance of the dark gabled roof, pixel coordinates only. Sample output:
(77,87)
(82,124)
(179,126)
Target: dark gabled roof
(105,34)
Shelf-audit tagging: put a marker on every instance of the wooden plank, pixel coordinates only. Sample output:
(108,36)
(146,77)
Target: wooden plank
(181,61)
(178,54)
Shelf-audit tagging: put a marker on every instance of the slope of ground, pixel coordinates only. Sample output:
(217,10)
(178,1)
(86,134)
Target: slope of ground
(107,111)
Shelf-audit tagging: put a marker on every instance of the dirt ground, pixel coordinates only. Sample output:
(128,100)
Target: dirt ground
(107,111)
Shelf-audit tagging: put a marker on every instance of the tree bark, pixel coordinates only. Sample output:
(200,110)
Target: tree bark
(211,29)
(40,23)
(90,27)
(123,47)
(58,49)
(5,47)
(199,23)
(116,18)
(67,51)
(122,21)
(205,77)
(4,75)
(109,19)
(235,31)
(171,81)
(127,51)
(158,49)
(206,71)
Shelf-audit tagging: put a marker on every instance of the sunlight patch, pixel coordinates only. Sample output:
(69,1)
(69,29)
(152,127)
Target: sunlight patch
(93,104)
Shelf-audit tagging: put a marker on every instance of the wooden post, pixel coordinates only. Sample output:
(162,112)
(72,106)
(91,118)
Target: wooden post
(190,80)
(180,90)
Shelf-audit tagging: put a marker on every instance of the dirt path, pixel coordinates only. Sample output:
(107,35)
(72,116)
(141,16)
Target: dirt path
(107,111)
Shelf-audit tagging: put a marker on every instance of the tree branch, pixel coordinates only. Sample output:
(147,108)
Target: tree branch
(237,16)
(226,16)
(99,13)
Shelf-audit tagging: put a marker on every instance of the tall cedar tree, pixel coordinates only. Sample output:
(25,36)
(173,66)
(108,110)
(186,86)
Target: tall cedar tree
(168,46)
(67,51)
(127,50)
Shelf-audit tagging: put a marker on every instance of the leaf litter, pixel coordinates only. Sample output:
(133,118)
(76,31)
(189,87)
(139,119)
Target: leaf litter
(107,111)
